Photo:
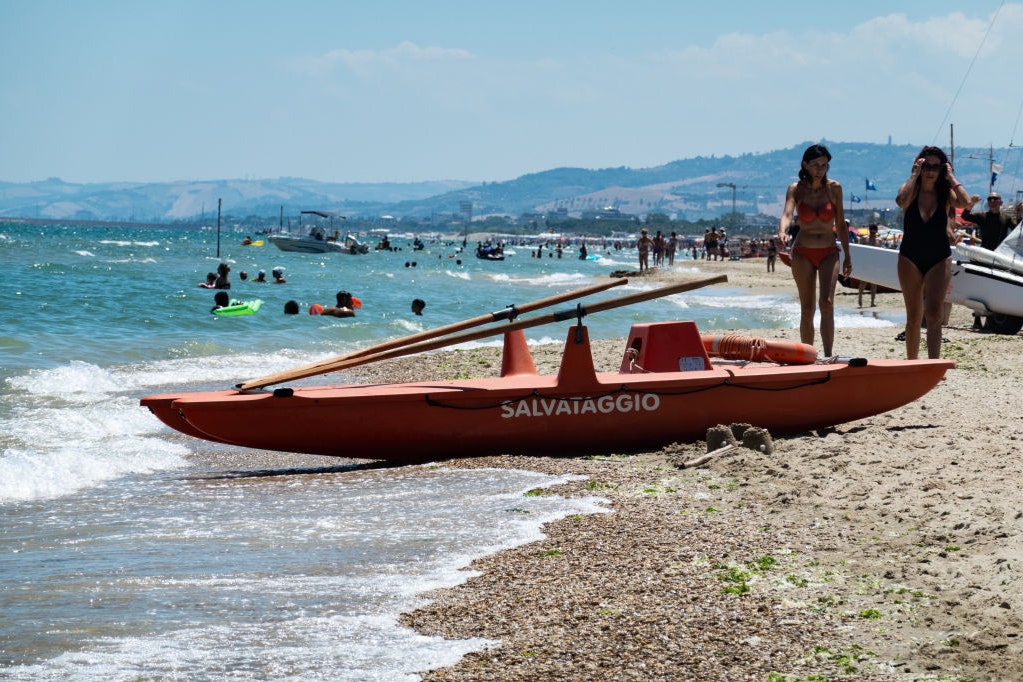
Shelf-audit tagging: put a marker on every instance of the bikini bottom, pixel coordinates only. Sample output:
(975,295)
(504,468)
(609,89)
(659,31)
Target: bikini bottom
(815,254)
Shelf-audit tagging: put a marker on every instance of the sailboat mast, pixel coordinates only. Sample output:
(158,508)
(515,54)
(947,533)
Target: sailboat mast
(990,169)
(951,144)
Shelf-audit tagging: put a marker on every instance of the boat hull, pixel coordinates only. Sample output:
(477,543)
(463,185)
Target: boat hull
(1011,262)
(979,287)
(876,265)
(310,244)
(987,290)
(305,245)
(576,412)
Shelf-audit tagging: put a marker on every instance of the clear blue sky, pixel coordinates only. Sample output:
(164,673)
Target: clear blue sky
(485,90)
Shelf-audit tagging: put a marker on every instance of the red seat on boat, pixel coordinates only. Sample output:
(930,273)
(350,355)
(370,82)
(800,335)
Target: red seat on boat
(664,347)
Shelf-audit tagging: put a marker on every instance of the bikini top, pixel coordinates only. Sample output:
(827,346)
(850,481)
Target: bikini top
(808,215)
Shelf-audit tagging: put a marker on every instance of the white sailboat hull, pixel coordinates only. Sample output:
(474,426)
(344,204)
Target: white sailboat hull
(993,259)
(875,265)
(987,290)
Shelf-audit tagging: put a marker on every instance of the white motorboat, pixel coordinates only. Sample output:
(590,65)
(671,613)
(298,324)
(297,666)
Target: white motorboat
(313,242)
(319,239)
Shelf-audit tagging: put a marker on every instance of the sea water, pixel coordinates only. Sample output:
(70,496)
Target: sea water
(123,557)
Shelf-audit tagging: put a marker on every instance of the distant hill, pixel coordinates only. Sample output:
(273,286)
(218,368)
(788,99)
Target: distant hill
(167,202)
(684,189)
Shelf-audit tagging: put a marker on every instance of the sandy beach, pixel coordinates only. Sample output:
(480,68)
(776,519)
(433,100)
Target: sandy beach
(889,548)
(884,549)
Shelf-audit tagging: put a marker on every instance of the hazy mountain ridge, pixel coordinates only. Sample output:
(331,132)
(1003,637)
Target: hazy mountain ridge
(190,200)
(686,188)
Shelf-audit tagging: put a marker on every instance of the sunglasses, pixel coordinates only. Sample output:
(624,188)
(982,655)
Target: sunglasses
(993,199)
(932,166)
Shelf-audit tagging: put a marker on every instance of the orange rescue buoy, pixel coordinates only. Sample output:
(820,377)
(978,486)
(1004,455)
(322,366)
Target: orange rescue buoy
(316,309)
(755,349)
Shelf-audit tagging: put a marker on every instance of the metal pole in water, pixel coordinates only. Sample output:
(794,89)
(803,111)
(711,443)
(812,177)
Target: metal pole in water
(218,228)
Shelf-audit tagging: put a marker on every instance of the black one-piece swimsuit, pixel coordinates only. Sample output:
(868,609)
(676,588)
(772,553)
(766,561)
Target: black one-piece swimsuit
(925,244)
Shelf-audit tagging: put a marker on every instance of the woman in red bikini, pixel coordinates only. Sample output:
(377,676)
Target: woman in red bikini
(816,201)
(928,200)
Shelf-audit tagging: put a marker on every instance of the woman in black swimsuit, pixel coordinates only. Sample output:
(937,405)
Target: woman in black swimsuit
(928,199)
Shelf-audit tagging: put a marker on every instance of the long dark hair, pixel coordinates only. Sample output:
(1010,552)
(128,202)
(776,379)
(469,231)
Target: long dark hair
(814,151)
(941,186)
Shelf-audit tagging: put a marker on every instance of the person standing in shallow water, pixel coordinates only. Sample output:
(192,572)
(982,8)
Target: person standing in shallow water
(222,281)
(928,199)
(644,245)
(816,202)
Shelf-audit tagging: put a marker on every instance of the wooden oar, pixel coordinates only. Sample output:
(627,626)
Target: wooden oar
(508,313)
(453,340)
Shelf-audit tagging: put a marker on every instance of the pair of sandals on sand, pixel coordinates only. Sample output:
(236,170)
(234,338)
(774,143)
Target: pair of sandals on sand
(902,337)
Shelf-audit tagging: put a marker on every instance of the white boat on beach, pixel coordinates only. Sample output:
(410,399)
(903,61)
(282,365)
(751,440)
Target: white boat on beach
(319,239)
(996,293)
(1006,256)
(992,292)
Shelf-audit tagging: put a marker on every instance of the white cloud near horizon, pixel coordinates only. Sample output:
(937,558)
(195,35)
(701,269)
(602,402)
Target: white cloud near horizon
(363,61)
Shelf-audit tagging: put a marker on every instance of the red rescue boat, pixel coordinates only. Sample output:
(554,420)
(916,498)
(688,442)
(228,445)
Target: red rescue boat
(668,389)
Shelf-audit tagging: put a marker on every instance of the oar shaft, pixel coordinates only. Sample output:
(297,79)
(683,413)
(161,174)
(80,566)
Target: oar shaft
(560,316)
(510,312)
(475,335)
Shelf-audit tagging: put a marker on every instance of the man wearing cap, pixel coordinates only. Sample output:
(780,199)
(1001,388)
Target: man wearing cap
(994,226)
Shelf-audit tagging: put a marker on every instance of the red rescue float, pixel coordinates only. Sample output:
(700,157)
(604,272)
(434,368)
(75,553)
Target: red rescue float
(756,349)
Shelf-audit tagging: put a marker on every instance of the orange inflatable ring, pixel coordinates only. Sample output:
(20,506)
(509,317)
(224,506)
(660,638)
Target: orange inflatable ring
(755,349)
(356,303)
(316,309)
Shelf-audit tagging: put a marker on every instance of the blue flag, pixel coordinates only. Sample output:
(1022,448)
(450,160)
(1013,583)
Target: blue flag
(870,185)
(855,199)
